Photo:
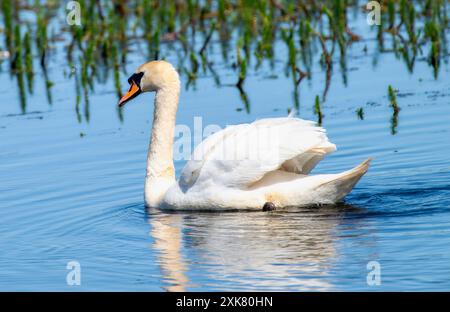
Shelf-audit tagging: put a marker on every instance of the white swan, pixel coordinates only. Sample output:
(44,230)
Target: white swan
(262,165)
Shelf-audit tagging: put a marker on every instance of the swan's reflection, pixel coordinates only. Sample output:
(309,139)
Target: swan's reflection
(289,250)
(166,231)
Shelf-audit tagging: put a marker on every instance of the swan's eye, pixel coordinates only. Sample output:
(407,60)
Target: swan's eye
(136,78)
(135,88)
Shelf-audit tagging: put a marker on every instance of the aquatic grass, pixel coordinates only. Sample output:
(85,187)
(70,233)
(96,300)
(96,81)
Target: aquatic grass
(391,13)
(202,50)
(17,63)
(41,35)
(407,15)
(118,86)
(305,35)
(318,110)
(395,109)
(245,32)
(28,56)
(393,98)
(394,123)
(432,32)
(360,113)
(264,48)
(241,63)
(193,70)
(18,67)
(74,74)
(7,10)
(326,60)
(288,38)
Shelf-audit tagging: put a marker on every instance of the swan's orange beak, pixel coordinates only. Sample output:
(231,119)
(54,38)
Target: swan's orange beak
(133,92)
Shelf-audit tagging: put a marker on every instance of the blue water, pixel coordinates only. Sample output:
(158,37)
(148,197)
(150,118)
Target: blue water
(73,190)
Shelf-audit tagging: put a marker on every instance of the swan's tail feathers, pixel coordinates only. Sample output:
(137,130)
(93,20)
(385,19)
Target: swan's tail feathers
(344,182)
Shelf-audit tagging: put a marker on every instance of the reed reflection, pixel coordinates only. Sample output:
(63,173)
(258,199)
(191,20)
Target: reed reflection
(253,39)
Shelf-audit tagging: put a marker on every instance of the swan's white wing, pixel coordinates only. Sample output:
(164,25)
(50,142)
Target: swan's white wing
(241,155)
(202,153)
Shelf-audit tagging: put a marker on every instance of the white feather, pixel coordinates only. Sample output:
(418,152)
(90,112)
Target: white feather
(241,155)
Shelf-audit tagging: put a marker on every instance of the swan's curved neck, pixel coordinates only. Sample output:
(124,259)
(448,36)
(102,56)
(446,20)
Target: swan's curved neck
(160,168)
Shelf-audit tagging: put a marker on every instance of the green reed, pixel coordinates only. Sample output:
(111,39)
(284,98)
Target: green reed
(245,31)
(28,56)
(17,64)
(117,84)
(360,113)
(41,35)
(18,67)
(393,99)
(432,32)
(7,10)
(395,109)
(318,110)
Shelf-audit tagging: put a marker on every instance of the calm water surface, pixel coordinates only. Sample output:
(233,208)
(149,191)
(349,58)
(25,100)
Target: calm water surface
(73,190)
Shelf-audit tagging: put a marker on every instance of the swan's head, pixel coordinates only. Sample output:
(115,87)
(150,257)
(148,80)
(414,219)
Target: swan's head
(150,77)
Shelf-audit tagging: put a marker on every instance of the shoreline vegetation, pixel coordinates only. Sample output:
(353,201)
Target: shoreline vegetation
(243,31)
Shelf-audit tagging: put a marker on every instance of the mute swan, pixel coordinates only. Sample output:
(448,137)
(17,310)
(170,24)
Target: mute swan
(262,165)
